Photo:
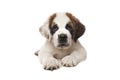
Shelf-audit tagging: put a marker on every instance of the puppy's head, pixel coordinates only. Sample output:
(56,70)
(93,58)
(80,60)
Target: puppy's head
(62,29)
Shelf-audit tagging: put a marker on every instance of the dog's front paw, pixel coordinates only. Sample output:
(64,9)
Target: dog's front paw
(51,64)
(69,61)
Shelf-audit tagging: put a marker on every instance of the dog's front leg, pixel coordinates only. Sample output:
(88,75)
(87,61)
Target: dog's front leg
(48,61)
(74,58)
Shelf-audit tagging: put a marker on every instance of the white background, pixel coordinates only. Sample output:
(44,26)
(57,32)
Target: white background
(20,38)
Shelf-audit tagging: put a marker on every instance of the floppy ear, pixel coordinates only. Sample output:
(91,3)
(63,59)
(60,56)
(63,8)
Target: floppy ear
(78,27)
(45,30)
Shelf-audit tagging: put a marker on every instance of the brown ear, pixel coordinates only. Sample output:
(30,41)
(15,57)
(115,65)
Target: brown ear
(78,27)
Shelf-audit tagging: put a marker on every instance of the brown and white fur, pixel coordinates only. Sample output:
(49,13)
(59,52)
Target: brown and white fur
(62,47)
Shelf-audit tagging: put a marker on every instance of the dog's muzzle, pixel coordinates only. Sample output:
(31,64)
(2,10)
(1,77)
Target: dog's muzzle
(62,40)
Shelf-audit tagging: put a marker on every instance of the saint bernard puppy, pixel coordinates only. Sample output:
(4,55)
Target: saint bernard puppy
(62,47)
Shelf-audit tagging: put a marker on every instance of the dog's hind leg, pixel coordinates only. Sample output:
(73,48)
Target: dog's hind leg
(36,53)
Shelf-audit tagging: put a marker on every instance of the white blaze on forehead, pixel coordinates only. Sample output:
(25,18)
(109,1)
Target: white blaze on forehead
(61,19)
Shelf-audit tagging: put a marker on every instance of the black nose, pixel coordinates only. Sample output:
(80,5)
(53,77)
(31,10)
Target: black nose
(62,38)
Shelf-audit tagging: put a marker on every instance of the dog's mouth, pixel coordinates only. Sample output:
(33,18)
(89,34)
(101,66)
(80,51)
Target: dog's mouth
(63,45)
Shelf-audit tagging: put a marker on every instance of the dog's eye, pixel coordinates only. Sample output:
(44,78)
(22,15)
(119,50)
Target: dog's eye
(54,28)
(68,27)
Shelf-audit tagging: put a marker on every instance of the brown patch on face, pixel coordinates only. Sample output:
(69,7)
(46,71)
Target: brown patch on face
(52,26)
(78,27)
(51,20)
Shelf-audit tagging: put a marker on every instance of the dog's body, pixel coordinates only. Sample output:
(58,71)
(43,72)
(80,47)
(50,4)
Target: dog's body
(62,47)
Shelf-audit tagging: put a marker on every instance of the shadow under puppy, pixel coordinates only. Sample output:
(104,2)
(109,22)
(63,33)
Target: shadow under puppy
(62,47)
